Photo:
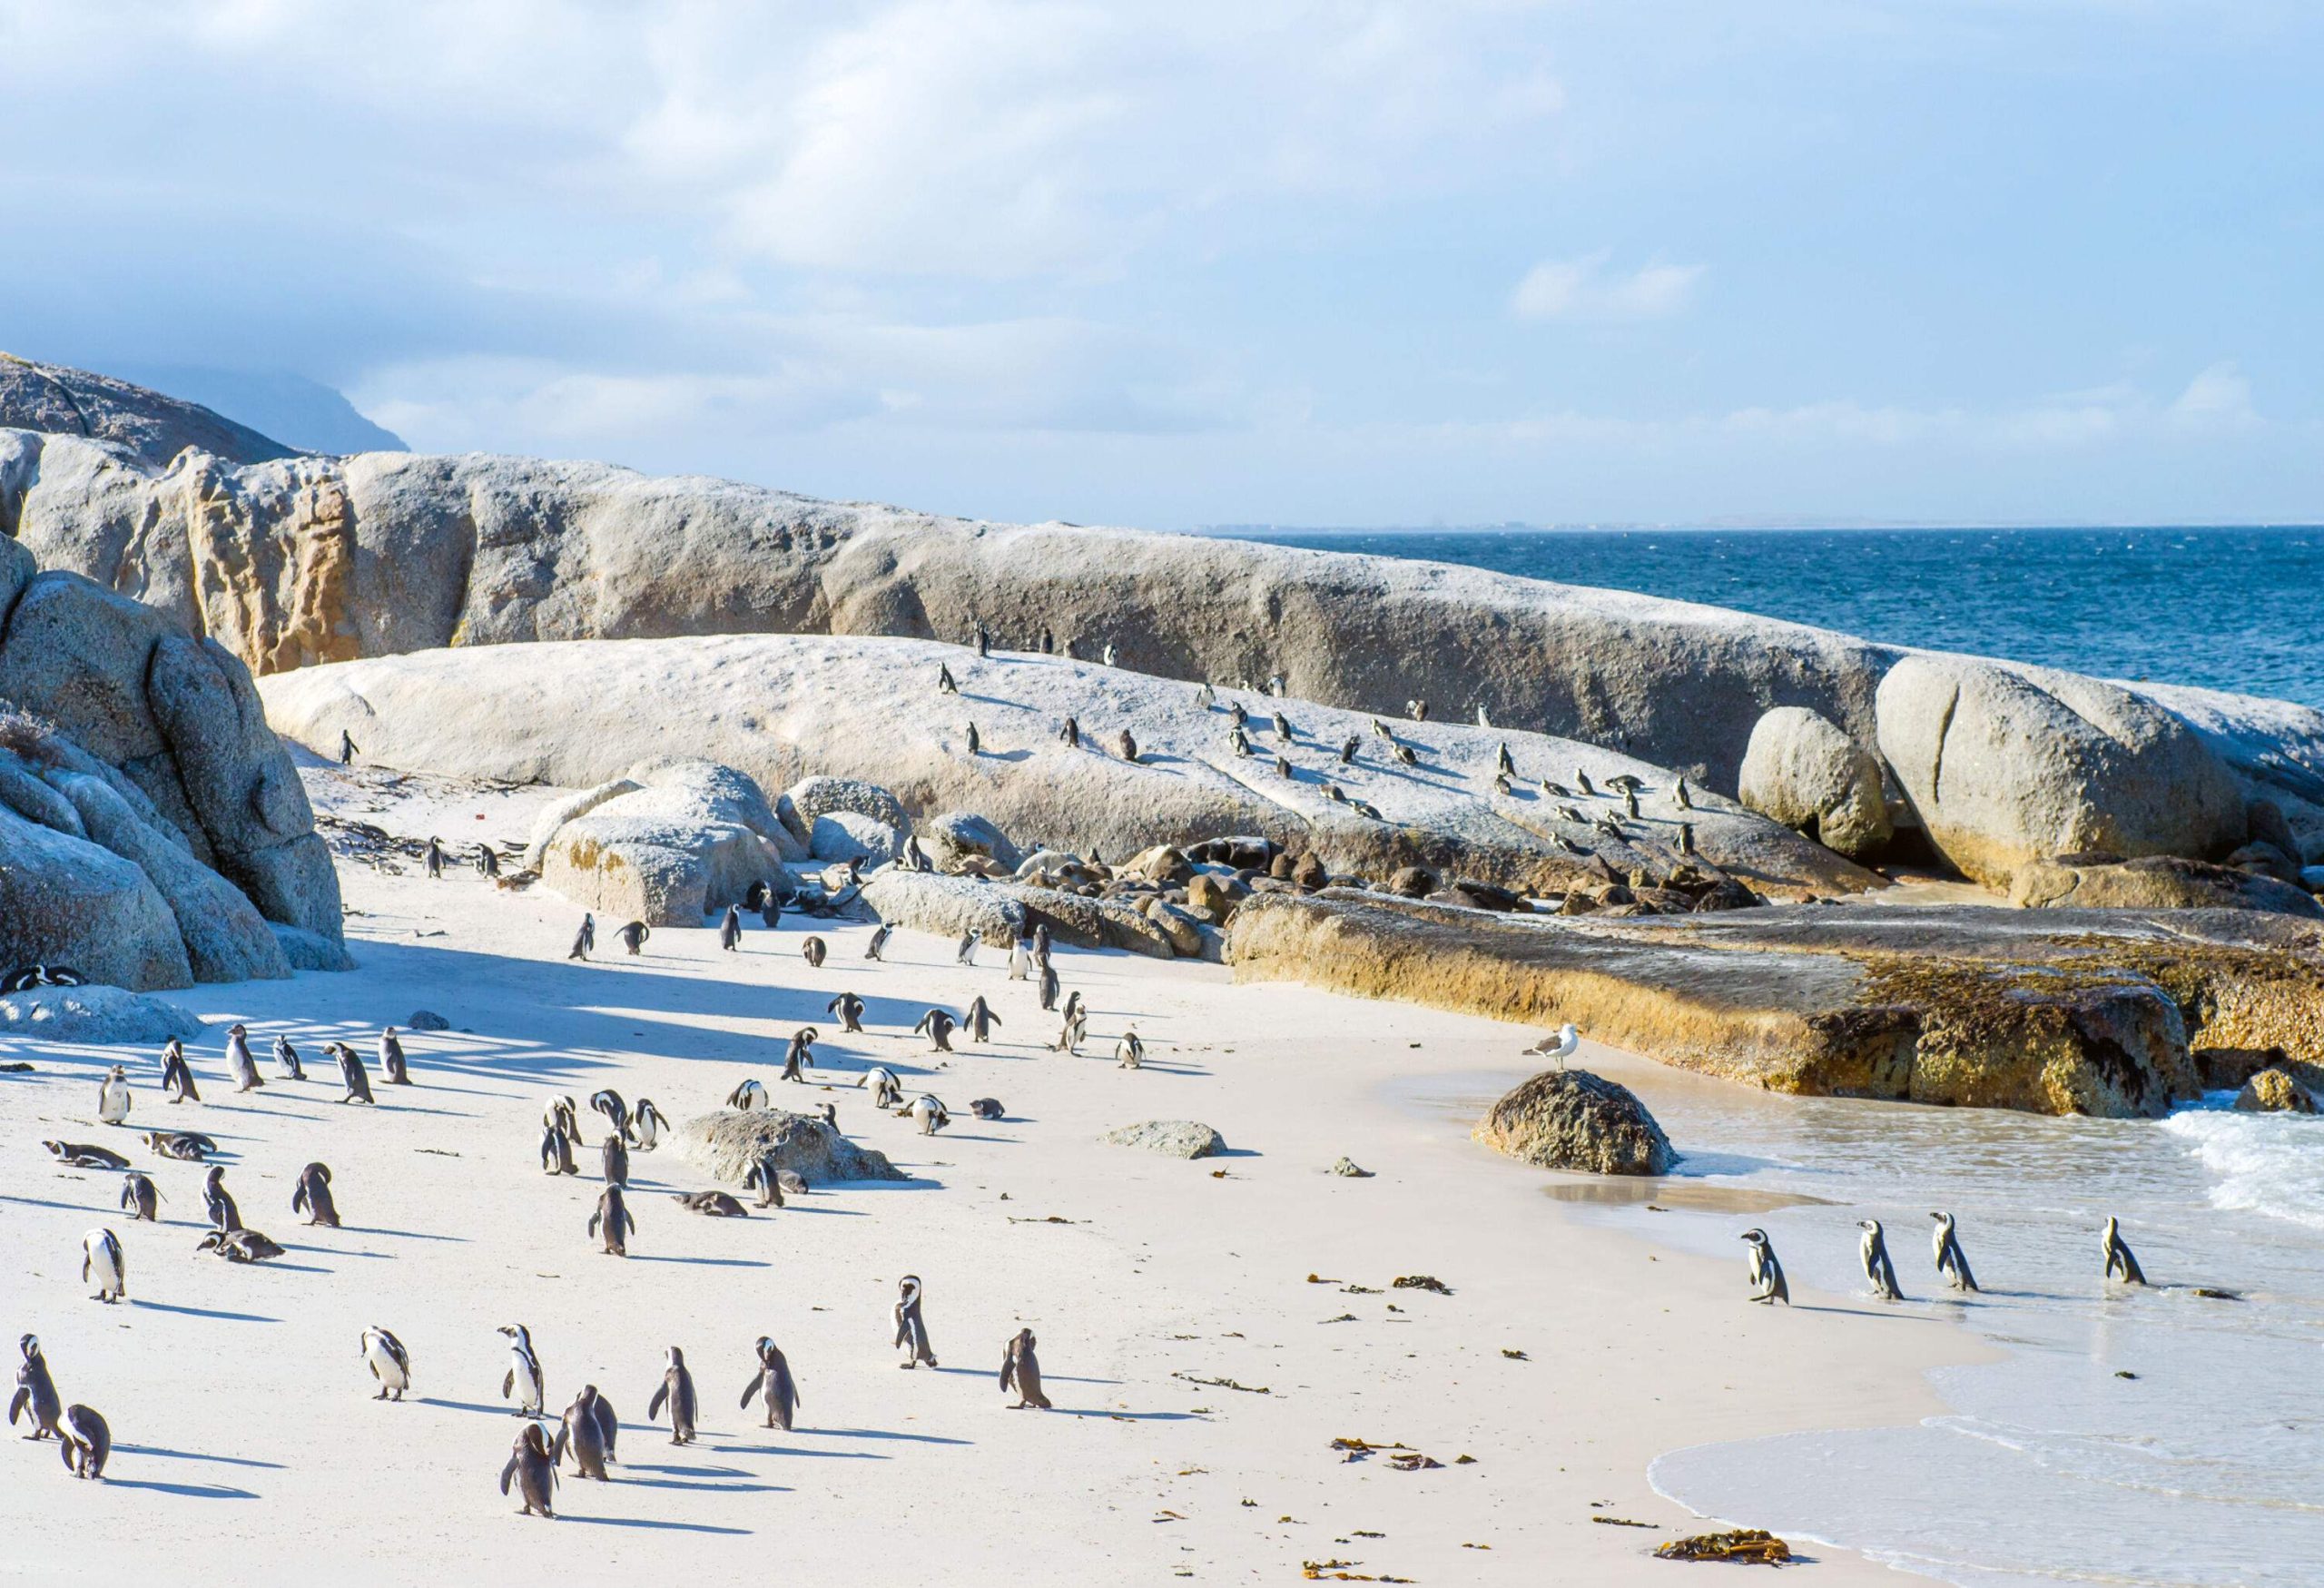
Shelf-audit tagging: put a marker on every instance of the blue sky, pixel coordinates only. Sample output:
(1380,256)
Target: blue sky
(1198,263)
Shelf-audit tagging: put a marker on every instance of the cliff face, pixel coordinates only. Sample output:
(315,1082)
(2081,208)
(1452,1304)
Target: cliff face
(150,427)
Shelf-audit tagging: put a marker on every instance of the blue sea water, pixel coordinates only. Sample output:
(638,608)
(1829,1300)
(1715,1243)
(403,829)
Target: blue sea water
(2228,608)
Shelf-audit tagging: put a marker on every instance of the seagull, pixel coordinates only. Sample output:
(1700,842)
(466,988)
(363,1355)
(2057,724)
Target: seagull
(1560,1046)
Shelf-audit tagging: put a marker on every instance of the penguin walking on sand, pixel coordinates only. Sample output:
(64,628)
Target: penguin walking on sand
(605,1101)
(912,1332)
(945,683)
(239,1062)
(633,935)
(1048,985)
(774,1384)
(139,1199)
(613,1153)
(937,1026)
(37,1395)
(645,1125)
(1125,747)
(581,1435)
(218,1202)
(1686,800)
(556,1151)
(979,1021)
(850,1010)
(102,1265)
(677,1393)
(177,1076)
(2119,1259)
(348,750)
(886,1090)
(812,951)
(1020,1370)
(433,858)
(929,1112)
(798,1054)
(87,1442)
(1872,1251)
(1129,1052)
(312,1196)
(389,1363)
(877,944)
(584,940)
(112,1096)
(1070,1035)
(533,1471)
(771,911)
(976,741)
(1070,733)
(730,930)
(966,954)
(523,1380)
(391,1060)
(352,1071)
(1767,1273)
(612,1219)
(1238,741)
(287,1063)
(1951,1261)
(1020,960)
(488,863)
(766,1177)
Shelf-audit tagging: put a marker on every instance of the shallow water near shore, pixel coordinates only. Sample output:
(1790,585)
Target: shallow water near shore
(2206,1469)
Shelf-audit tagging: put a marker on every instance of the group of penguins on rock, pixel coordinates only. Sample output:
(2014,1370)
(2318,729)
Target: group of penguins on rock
(1767,1284)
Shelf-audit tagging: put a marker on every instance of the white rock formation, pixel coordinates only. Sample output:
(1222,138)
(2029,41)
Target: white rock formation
(95,1014)
(668,842)
(1802,771)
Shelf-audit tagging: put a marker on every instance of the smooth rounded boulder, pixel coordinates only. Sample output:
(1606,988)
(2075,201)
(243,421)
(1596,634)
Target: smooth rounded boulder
(1572,1120)
(1799,769)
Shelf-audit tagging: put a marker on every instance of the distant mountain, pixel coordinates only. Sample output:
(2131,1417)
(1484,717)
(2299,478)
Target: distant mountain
(75,402)
(306,414)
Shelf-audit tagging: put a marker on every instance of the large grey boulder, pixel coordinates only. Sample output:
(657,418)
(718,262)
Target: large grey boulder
(726,1145)
(954,838)
(65,901)
(946,906)
(666,843)
(2155,882)
(1171,1137)
(811,798)
(2007,766)
(95,1014)
(1572,1120)
(155,429)
(1801,770)
(565,808)
(844,836)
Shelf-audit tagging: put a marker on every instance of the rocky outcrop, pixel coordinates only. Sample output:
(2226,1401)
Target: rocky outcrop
(96,1014)
(2086,1011)
(727,1144)
(867,715)
(946,906)
(1572,1120)
(952,839)
(1802,771)
(2272,1092)
(666,843)
(2007,766)
(2103,882)
(152,829)
(1171,1137)
(149,426)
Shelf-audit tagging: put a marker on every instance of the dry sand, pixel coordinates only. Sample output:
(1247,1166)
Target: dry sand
(247,1445)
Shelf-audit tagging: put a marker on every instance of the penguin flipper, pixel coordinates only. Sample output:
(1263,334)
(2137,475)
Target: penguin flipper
(557,1448)
(750,1390)
(654,1406)
(1008,1370)
(508,1385)
(21,1401)
(508,1473)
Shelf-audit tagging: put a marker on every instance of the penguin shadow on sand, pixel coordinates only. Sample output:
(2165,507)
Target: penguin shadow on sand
(218,1314)
(183,1491)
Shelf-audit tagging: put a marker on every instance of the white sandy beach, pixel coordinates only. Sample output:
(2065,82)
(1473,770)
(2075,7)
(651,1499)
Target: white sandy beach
(246,1442)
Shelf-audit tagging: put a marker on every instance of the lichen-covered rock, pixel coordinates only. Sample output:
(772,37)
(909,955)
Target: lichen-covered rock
(2272,1092)
(1171,1137)
(95,1014)
(727,1144)
(1801,770)
(2009,765)
(1572,1120)
(1092,924)
(565,808)
(954,838)
(946,906)
(2155,882)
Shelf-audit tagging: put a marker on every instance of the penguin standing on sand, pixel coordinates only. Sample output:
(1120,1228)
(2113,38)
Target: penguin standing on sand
(1686,800)
(286,1060)
(1872,1249)
(112,1096)
(389,1363)
(1070,733)
(612,1219)
(813,951)
(645,1125)
(218,1202)
(348,750)
(523,1379)
(1951,1261)
(614,1153)
(937,1025)
(312,1196)
(929,1112)
(177,1076)
(1048,985)
(392,1059)
(886,1090)
(633,936)
(910,1331)
(750,1094)
(771,911)
(772,1383)
(966,954)
(434,861)
(1129,1053)
(945,683)
(1020,1370)
(850,1010)
(533,1471)
(976,741)
(605,1101)
(2119,1260)
(800,1053)
(979,1021)
(556,1151)
(239,1062)
(139,1197)
(103,1264)
(584,940)
(678,1391)
(352,1071)
(877,944)
(1767,1273)
(488,863)
(37,1391)
(765,1177)
(1020,960)
(582,1436)
(88,1442)
(730,930)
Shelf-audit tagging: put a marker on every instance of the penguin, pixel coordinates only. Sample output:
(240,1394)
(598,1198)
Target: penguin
(218,1202)
(811,951)
(730,930)
(239,1062)
(1366,809)
(945,684)
(1281,726)
(1501,760)
(1582,781)
(582,1437)
(240,1245)
(1951,1261)
(710,1204)
(312,1197)
(102,1263)
(1049,643)
(1126,745)
(1767,1273)
(1405,756)
(850,1010)
(613,1155)
(754,896)
(750,1094)
(605,1101)
(1629,803)
(87,1442)
(557,1152)
(886,1090)
(139,1197)
(766,1177)
(938,1025)
(433,858)
(770,912)
(645,1125)
(966,954)
(877,943)
(773,1384)
(983,639)
(523,1379)
(979,1020)
(976,741)
(929,1112)
(391,1060)
(910,1330)
(1074,1008)
(1020,1370)
(1106,656)
(112,1096)
(1380,730)
(915,857)
(2118,1256)
(1556,791)
(800,1053)
(1501,786)
(1282,767)
(677,1390)
(1238,741)
(1020,960)
(532,1472)
(1348,747)
(584,940)
(83,1155)
(608,1421)
(612,1220)
(177,1076)
(1686,800)
(286,1060)
(1129,1053)
(1041,943)
(1417,710)
(1070,1035)
(987,1109)
(1048,985)
(188,1146)
(1206,698)
(633,936)
(1872,1249)
(488,863)
(348,751)
(389,1363)
(352,1071)
(37,1392)
(1070,733)
(1687,838)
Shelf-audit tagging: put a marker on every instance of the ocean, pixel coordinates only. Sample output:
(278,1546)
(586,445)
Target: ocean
(2228,608)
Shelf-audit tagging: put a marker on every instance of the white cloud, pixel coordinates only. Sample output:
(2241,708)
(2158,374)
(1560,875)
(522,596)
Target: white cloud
(1583,290)
(2219,396)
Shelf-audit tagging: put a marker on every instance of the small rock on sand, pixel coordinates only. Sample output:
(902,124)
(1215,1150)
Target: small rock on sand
(1347,1167)
(727,1143)
(1171,1137)
(427,1019)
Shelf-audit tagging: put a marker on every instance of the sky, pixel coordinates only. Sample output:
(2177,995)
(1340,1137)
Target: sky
(1193,263)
